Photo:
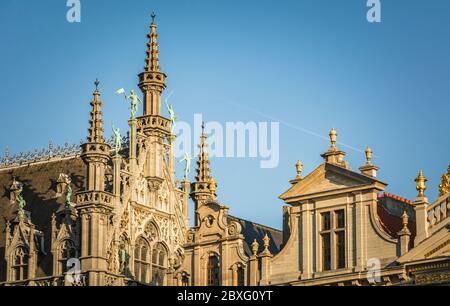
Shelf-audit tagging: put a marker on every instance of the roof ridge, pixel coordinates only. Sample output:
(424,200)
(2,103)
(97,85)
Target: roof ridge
(259,224)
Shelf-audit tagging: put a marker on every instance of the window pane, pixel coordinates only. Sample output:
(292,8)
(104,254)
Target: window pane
(136,269)
(143,273)
(340,219)
(326,251)
(241,276)
(17,273)
(326,221)
(144,253)
(340,249)
(213,271)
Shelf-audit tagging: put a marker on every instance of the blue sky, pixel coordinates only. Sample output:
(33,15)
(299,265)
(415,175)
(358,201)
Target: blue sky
(314,64)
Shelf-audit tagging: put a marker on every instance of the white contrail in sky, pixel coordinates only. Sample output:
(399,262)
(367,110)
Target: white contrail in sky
(293,126)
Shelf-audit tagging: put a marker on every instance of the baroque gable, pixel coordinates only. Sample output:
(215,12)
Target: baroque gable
(328,178)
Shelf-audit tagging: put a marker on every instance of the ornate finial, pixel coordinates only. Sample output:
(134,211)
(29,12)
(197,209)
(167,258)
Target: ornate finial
(212,187)
(255,247)
(96,83)
(153,15)
(405,220)
(368,156)
(444,186)
(7,155)
(333,136)
(50,149)
(420,184)
(266,241)
(203,127)
(299,167)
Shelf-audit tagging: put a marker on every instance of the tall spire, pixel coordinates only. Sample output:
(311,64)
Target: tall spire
(204,188)
(95,152)
(152,59)
(203,174)
(96,121)
(152,80)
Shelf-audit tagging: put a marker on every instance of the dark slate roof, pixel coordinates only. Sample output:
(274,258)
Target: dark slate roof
(252,231)
(390,210)
(39,190)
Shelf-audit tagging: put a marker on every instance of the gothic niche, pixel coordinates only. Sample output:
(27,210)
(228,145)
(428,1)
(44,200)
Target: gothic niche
(61,184)
(15,189)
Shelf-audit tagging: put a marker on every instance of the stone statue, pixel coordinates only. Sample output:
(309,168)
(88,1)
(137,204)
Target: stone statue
(22,203)
(187,169)
(173,118)
(134,100)
(123,258)
(117,139)
(69,193)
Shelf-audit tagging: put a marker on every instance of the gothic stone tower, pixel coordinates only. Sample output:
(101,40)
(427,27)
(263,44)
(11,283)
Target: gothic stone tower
(95,205)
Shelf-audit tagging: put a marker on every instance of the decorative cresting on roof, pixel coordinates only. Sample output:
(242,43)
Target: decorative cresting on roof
(50,154)
(152,60)
(96,121)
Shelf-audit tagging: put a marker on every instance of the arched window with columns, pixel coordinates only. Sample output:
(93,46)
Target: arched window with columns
(213,270)
(141,260)
(20,264)
(67,250)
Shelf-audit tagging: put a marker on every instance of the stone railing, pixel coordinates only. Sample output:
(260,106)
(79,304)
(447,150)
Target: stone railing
(153,122)
(51,153)
(48,281)
(94,197)
(438,212)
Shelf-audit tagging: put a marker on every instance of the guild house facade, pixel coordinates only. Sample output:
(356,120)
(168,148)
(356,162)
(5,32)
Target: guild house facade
(112,214)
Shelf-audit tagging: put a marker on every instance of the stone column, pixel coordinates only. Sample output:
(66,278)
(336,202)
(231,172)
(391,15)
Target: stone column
(253,273)
(420,207)
(306,239)
(117,161)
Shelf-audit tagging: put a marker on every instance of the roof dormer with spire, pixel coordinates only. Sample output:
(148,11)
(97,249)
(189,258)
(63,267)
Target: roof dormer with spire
(204,187)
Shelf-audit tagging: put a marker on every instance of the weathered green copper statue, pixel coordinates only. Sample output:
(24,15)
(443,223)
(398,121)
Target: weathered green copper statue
(134,100)
(173,118)
(22,203)
(187,168)
(123,258)
(68,193)
(117,140)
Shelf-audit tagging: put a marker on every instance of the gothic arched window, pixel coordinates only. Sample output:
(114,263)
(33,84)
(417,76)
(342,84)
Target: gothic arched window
(20,264)
(141,260)
(67,251)
(159,260)
(213,270)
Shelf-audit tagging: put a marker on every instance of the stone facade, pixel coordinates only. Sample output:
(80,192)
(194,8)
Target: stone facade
(93,216)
